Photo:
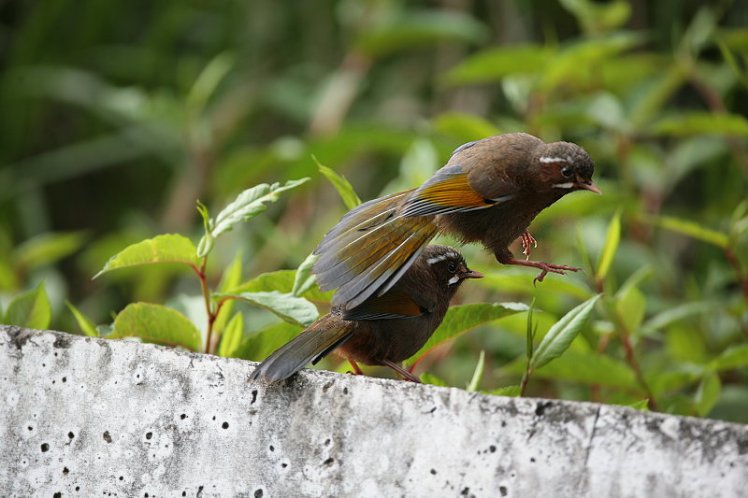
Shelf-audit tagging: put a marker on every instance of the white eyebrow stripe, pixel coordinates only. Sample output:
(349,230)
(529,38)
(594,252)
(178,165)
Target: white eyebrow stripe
(564,185)
(554,159)
(436,259)
(453,280)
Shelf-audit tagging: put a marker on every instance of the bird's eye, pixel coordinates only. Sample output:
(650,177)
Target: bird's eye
(567,172)
(452,267)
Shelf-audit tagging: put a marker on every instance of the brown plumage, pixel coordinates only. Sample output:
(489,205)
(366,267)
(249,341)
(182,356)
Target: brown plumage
(488,192)
(383,330)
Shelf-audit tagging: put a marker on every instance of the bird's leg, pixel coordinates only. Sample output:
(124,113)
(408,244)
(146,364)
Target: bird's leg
(356,369)
(504,256)
(527,241)
(404,373)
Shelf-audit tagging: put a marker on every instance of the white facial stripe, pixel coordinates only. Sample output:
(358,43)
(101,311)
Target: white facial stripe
(564,185)
(547,159)
(453,280)
(440,258)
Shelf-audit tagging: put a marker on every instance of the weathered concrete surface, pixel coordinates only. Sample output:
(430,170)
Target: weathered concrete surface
(85,417)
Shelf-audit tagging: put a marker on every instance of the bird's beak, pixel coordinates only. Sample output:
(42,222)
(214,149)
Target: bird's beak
(588,186)
(472,274)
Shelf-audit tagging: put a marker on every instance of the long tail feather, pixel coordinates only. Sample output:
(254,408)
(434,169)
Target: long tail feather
(310,346)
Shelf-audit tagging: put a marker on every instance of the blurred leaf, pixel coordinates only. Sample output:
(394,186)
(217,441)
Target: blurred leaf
(562,333)
(433,380)
(596,17)
(341,184)
(281,281)
(631,306)
(461,318)
(232,336)
(86,325)
(260,345)
(584,367)
(205,246)
(734,357)
(169,248)
(465,127)
(707,394)
(248,204)
(530,333)
(641,405)
(418,28)
(694,230)
(520,280)
(685,344)
(702,123)
(496,63)
(30,309)
(474,383)
(289,308)
(612,239)
(208,80)
(47,248)
(8,279)
(508,391)
(699,31)
(157,324)
(304,279)
(677,313)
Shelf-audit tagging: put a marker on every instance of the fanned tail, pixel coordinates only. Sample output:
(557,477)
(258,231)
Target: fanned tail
(369,250)
(310,346)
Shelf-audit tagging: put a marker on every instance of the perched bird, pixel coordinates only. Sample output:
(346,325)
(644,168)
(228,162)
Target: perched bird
(383,330)
(488,192)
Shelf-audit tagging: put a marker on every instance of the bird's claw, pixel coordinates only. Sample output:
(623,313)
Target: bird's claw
(527,241)
(551,268)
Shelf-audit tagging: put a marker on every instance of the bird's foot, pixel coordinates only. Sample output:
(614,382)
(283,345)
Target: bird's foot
(400,370)
(527,241)
(545,268)
(356,369)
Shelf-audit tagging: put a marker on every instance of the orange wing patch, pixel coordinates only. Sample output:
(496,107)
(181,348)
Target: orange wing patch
(445,192)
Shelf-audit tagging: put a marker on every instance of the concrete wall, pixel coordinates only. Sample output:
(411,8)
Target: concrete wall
(87,417)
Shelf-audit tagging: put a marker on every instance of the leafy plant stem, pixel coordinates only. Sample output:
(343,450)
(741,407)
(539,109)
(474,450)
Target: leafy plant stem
(209,309)
(631,359)
(525,380)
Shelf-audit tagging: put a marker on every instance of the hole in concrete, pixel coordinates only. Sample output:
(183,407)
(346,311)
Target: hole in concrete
(184,493)
(57,495)
(64,379)
(258,493)
(492,449)
(183,416)
(345,390)
(254,397)
(30,428)
(225,425)
(284,465)
(532,459)
(45,447)
(541,407)
(71,435)
(503,490)
(433,472)
(77,488)
(327,441)
(148,435)
(503,423)
(65,470)
(107,437)
(271,447)
(121,478)
(465,491)
(329,461)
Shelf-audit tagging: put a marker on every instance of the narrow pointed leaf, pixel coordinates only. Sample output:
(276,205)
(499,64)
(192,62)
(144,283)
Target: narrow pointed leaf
(232,336)
(341,184)
(157,324)
(304,279)
(85,324)
(462,318)
(707,394)
(610,248)
(562,333)
(261,344)
(478,373)
(168,248)
(694,230)
(508,391)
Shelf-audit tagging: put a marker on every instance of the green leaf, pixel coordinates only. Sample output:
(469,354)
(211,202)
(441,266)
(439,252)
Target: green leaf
(418,28)
(465,127)
(206,83)
(694,230)
(459,319)
(495,64)
(85,324)
(232,336)
(517,281)
(584,367)
(732,358)
(341,184)
(30,309)
(168,248)
(428,378)
(281,281)
(508,391)
(702,123)
(478,373)
(304,279)
(642,405)
(677,313)
(231,278)
(562,333)
(707,394)
(286,306)
(47,248)
(247,205)
(610,248)
(157,324)
(631,306)
(260,345)
(207,241)
(530,332)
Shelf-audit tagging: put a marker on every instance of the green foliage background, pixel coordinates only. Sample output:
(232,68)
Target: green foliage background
(117,116)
